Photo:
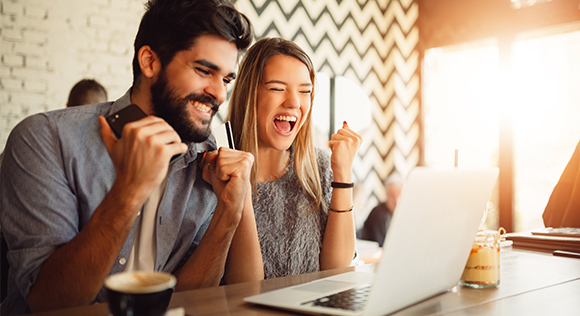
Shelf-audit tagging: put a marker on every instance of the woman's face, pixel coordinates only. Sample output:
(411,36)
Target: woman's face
(283,101)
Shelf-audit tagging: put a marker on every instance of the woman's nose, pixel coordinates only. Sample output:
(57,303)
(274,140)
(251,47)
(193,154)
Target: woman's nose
(292,101)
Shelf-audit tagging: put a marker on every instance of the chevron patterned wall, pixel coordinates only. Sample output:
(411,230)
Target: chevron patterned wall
(373,43)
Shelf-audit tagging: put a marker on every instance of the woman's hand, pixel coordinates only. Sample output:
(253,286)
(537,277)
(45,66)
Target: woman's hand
(344,144)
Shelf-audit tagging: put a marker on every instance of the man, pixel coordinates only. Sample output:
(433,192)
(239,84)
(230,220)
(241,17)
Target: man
(78,204)
(563,208)
(377,223)
(86,91)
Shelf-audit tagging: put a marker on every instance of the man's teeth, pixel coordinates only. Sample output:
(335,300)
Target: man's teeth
(202,107)
(286,118)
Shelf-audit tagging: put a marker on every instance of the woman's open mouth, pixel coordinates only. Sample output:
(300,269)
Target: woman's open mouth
(285,123)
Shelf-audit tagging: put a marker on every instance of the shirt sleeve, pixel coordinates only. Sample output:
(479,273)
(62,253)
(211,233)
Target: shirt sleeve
(39,209)
(194,243)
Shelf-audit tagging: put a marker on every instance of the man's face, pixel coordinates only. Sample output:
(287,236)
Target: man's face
(190,89)
(393,192)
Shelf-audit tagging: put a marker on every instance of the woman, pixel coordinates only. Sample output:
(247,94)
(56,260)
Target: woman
(303,223)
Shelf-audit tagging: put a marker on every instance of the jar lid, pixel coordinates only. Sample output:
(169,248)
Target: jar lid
(487,236)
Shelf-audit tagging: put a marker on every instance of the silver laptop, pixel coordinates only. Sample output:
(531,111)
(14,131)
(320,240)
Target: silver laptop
(425,250)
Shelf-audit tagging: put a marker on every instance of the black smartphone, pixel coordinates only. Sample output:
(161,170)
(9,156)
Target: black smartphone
(126,115)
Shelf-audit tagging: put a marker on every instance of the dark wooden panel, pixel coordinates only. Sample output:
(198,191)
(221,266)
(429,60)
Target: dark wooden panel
(449,22)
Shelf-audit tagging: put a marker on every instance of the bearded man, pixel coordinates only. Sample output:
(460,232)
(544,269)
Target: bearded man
(79,204)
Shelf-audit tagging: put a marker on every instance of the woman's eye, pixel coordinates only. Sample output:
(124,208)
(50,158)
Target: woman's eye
(276,89)
(306,91)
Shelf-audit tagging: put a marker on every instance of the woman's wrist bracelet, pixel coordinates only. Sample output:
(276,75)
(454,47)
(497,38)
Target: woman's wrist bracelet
(341,211)
(342,185)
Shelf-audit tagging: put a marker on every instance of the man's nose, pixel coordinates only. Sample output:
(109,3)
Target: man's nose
(217,90)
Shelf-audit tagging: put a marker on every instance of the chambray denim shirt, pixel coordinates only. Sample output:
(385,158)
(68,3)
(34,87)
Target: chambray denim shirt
(55,173)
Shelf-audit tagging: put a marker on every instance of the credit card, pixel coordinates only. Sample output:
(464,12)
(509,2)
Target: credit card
(223,135)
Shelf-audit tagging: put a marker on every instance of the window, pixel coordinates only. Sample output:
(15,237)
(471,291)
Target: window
(462,96)
(546,118)
(460,109)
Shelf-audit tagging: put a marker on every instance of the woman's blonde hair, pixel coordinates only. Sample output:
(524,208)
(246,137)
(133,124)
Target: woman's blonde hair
(243,117)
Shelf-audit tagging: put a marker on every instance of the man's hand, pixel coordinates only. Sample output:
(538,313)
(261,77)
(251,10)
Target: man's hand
(141,157)
(228,171)
(74,274)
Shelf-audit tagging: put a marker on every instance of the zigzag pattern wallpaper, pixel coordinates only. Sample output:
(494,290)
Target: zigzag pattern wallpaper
(373,43)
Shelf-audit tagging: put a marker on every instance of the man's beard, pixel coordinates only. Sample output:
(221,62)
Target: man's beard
(169,106)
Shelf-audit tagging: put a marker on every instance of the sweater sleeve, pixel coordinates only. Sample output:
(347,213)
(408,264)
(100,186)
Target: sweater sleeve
(323,161)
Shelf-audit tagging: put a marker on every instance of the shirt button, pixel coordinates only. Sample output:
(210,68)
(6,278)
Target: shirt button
(122,261)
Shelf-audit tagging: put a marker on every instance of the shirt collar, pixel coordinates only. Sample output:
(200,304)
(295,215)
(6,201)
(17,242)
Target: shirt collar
(121,103)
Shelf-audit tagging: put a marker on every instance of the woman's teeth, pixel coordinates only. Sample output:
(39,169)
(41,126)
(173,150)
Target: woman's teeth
(202,107)
(286,118)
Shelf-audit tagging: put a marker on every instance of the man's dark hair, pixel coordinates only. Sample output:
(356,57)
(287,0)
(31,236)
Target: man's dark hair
(170,26)
(86,91)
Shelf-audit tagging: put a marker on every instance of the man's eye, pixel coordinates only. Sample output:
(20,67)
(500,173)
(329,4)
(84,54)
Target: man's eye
(228,80)
(202,71)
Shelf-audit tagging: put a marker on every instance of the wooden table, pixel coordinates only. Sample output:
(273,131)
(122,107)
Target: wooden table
(532,283)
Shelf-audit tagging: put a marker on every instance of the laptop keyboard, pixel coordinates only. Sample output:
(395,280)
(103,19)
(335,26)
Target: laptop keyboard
(352,299)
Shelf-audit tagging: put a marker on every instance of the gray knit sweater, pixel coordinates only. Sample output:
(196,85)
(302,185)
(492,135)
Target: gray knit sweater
(290,233)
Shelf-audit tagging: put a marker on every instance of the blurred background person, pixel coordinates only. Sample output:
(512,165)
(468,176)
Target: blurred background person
(563,208)
(86,91)
(377,223)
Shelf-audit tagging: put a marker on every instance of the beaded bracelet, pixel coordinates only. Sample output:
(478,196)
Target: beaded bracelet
(341,211)
(342,185)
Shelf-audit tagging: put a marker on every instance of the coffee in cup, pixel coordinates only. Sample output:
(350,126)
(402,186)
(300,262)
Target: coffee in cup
(139,293)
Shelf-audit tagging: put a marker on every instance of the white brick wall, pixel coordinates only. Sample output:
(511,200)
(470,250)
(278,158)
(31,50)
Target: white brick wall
(47,46)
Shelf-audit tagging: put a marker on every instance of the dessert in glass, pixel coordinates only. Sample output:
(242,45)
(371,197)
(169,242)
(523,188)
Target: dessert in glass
(482,268)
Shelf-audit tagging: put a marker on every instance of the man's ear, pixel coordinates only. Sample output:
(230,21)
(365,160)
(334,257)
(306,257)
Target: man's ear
(148,61)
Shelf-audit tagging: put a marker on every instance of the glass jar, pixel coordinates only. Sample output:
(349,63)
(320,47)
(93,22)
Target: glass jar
(482,268)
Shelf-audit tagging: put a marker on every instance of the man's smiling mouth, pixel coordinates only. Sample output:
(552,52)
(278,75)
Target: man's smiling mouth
(200,106)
